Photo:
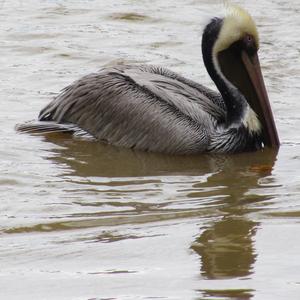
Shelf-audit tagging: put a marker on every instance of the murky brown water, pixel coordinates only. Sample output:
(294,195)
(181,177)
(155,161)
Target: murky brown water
(81,220)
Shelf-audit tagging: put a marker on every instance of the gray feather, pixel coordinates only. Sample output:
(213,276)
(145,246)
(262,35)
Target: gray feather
(147,108)
(142,107)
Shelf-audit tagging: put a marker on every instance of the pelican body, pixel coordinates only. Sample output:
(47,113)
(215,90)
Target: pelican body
(151,108)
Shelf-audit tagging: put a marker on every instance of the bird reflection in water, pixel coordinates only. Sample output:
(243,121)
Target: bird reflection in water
(226,245)
(230,188)
(89,158)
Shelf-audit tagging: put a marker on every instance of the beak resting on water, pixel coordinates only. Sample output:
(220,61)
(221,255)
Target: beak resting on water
(260,101)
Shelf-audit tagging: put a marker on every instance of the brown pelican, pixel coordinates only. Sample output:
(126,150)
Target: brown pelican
(151,108)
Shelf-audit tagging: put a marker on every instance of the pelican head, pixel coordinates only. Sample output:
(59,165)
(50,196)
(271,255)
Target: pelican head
(229,47)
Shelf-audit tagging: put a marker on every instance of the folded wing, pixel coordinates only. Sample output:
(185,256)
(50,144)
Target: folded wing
(142,107)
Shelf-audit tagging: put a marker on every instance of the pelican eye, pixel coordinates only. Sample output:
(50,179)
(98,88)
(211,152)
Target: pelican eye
(248,39)
(249,43)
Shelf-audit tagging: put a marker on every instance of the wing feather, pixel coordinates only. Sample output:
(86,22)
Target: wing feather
(142,107)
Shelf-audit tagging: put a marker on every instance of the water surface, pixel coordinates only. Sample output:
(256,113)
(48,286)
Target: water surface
(82,220)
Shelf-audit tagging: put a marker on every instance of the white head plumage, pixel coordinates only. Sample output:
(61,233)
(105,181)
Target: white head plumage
(236,24)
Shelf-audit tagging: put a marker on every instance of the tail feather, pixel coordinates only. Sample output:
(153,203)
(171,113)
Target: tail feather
(49,127)
(46,127)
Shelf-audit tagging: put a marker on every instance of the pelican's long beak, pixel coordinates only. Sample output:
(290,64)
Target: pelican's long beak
(262,106)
